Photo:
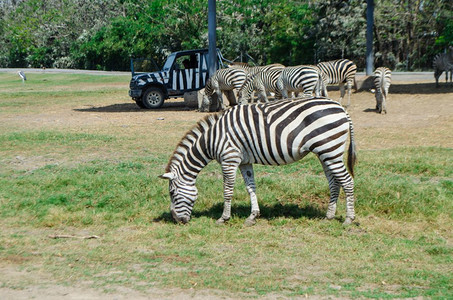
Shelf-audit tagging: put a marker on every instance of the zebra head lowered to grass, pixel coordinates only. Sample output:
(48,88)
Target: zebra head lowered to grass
(275,133)
(261,83)
(223,81)
(304,78)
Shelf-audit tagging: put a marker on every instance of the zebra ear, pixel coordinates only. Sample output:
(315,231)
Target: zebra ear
(168,175)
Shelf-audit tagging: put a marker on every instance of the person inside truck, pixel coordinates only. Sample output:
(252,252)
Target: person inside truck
(186,64)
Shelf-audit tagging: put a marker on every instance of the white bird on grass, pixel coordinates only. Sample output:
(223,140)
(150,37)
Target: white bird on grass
(22,75)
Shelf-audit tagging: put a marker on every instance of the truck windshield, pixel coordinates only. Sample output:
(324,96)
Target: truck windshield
(169,62)
(143,65)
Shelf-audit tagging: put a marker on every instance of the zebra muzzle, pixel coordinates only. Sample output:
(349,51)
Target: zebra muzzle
(180,219)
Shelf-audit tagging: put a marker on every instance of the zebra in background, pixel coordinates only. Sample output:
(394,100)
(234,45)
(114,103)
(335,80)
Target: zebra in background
(275,133)
(382,81)
(223,80)
(306,79)
(262,83)
(443,62)
(338,72)
(252,70)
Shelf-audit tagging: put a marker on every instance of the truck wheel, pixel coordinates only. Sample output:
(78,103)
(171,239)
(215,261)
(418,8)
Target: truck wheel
(153,98)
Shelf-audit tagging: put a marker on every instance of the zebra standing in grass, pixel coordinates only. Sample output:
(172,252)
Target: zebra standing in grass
(338,72)
(275,133)
(306,79)
(382,81)
(261,83)
(443,62)
(223,80)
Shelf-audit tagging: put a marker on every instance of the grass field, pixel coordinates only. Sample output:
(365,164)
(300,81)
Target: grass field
(78,158)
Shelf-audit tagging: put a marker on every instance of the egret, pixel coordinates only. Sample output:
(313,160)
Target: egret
(22,75)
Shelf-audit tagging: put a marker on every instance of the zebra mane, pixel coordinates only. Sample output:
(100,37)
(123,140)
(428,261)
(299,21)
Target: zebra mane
(195,132)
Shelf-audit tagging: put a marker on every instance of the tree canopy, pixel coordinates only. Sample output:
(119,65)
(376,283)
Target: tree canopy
(104,35)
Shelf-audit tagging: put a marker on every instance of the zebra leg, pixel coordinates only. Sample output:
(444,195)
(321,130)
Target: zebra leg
(247,174)
(436,76)
(231,98)
(278,95)
(341,85)
(378,101)
(229,177)
(342,177)
(334,193)
(383,106)
(218,102)
(349,92)
(262,96)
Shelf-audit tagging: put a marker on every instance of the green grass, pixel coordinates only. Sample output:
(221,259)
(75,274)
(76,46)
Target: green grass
(399,247)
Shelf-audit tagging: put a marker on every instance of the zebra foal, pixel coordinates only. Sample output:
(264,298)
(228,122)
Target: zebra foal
(223,81)
(339,71)
(382,81)
(275,133)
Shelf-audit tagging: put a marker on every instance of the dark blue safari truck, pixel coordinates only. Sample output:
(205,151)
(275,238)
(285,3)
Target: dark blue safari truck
(183,71)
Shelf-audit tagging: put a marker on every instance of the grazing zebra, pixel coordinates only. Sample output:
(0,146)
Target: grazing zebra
(382,81)
(223,80)
(274,133)
(443,62)
(306,79)
(338,72)
(261,83)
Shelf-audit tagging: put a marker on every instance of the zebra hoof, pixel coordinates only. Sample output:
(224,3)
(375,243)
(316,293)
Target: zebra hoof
(220,221)
(249,222)
(330,217)
(348,221)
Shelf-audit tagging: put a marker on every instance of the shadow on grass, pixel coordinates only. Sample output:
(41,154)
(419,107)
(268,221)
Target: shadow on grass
(132,107)
(407,88)
(278,210)
(420,88)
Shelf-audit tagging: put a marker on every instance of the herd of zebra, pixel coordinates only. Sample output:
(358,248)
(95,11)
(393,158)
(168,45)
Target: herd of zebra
(274,133)
(284,81)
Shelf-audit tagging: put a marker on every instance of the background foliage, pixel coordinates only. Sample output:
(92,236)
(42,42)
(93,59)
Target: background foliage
(103,34)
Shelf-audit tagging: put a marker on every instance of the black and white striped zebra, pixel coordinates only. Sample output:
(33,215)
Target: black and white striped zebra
(223,80)
(261,83)
(252,70)
(304,78)
(274,133)
(339,71)
(443,62)
(382,81)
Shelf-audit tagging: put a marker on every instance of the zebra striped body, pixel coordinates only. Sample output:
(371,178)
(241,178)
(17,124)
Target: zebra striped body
(275,133)
(382,81)
(443,62)
(252,70)
(306,79)
(339,71)
(223,80)
(261,83)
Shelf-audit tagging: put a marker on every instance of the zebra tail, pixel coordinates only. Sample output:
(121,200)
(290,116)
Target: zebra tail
(352,154)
